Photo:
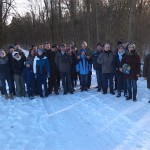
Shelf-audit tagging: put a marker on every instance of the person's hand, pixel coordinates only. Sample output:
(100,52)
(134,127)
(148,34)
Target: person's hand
(137,75)
(120,69)
(78,57)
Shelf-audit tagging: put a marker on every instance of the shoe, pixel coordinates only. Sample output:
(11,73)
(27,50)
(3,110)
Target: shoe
(119,95)
(112,92)
(148,101)
(6,96)
(11,96)
(134,99)
(65,93)
(85,89)
(71,92)
(99,90)
(46,96)
(42,96)
(128,98)
(56,93)
(30,98)
(104,92)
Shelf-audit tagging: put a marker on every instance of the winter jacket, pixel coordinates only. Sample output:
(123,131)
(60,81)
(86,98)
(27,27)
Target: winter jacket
(17,66)
(132,59)
(83,66)
(64,62)
(41,65)
(96,65)
(28,75)
(107,60)
(5,70)
(146,68)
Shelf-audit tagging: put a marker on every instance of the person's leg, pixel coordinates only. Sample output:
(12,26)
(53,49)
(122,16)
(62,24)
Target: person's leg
(45,85)
(40,82)
(105,82)
(18,88)
(82,82)
(4,91)
(125,87)
(85,82)
(129,90)
(69,82)
(119,82)
(63,78)
(134,85)
(22,85)
(111,77)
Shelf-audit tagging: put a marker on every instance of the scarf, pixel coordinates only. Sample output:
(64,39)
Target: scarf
(120,54)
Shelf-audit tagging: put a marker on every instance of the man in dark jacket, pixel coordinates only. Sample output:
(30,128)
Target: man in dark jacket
(64,64)
(107,60)
(98,67)
(146,71)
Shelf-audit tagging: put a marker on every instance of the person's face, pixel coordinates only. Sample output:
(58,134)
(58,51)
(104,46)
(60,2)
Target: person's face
(40,53)
(63,49)
(35,48)
(131,48)
(11,50)
(83,45)
(107,47)
(99,48)
(41,46)
(53,49)
(28,65)
(83,53)
(17,47)
(47,46)
(17,56)
(121,49)
(32,53)
(2,54)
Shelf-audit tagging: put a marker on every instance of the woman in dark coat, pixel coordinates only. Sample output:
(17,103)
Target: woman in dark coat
(131,59)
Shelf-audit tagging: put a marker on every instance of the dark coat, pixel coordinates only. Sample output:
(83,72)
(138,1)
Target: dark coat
(96,65)
(28,75)
(107,60)
(133,60)
(146,68)
(64,62)
(18,66)
(5,70)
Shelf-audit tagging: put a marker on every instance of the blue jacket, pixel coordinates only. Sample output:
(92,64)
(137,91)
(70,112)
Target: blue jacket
(41,65)
(83,66)
(28,75)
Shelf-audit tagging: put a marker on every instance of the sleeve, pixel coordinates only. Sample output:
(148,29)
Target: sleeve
(34,65)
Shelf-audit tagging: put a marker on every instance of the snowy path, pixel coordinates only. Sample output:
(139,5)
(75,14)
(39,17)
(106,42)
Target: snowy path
(83,121)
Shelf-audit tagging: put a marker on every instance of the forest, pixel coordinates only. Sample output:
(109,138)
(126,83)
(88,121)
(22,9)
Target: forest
(94,21)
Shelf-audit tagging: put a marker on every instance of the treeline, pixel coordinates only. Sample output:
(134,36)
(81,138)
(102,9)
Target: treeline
(94,21)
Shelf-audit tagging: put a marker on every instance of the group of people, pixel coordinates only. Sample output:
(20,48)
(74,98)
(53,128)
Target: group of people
(41,72)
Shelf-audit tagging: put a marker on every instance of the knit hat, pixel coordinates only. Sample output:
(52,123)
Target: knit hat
(27,62)
(40,50)
(132,45)
(63,45)
(82,51)
(121,46)
(10,47)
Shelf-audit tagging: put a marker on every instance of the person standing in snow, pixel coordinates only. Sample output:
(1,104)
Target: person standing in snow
(83,67)
(17,68)
(29,79)
(121,81)
(107,61)
(41,69)
(5,75)
(97,67)
(132,61)
(146,71)
(64,62)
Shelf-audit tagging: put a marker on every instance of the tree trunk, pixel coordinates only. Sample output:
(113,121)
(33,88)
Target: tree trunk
(131,21)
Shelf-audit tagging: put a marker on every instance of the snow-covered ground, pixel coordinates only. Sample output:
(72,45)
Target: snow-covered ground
(83,121)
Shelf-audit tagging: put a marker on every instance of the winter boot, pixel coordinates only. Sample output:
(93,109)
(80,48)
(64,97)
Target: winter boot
(119,95)
(11,96)
(6,96)
(129,96)
(112,92)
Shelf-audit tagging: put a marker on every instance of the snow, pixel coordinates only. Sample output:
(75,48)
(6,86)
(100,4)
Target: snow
(83,121)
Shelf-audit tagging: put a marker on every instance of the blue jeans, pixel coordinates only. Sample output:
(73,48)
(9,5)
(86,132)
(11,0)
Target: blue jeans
(108,80)
(132,87)
(121,83)
(99,79)
(10,85)
(84,80)
(42,80)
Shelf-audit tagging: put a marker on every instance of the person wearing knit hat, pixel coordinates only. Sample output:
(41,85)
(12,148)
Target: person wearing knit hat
(17,69)
(29,79)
